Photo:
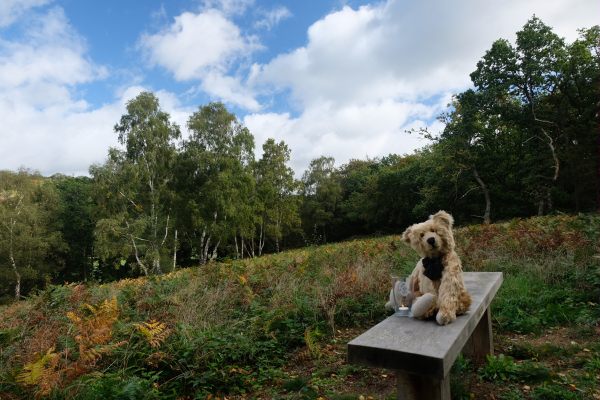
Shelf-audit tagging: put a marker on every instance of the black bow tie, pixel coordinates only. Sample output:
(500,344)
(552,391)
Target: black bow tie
(433,268)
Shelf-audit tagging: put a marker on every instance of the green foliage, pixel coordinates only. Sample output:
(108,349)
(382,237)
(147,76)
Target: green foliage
(504,368)
(521,142)
(593,364)
(498,368)
(460,378)
(553,391)
(229,328)
(77,223)
(31,246)
(116,386)
(512,394)
(275,184)
(321,192)
(133,188)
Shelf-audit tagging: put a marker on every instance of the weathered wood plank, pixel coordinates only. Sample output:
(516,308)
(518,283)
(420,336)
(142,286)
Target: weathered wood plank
(423,347)
(481,342)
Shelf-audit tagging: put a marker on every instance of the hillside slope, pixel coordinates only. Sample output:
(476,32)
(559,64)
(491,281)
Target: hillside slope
(276,326)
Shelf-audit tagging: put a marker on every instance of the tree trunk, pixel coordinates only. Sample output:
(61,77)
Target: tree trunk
(548,199)
(85,266)
(214,252)
(252,253)
(242,238)
(205,251)
(175,251)
(156,265)
(18,286)
(237,251)
(137,256)
(12,257)
(598,165)
(201,248)
(261,240)
(486,194)
(277,235)
(17,277)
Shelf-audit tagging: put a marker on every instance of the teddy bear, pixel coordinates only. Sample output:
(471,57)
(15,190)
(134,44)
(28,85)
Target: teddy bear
(436,283)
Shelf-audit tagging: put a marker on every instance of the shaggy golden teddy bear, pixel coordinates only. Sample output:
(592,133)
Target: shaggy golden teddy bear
(436,282)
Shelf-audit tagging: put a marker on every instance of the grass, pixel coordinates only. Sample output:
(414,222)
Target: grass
(277,326)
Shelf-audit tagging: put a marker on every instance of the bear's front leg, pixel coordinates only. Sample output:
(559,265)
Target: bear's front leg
(448,295)
(445,316)
(424,306)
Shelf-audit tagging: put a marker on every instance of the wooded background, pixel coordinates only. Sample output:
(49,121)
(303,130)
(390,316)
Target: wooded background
(523,141)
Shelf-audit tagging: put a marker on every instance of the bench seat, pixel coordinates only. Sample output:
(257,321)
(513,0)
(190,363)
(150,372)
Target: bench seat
(422,351)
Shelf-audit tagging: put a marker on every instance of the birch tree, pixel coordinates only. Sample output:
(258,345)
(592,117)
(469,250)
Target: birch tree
(214,181)
(29,241)
(275,186)
(134,187)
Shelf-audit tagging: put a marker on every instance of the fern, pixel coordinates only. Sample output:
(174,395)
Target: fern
(95,329)
(42,373)
(311,338)
(154,332)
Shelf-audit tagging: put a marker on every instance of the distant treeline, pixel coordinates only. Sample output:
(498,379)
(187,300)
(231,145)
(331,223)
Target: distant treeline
(524,141)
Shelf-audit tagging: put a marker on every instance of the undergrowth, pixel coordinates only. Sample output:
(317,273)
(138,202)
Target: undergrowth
(229,328)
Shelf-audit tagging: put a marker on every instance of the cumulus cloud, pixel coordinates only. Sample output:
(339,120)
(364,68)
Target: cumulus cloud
(203,47)
(367,74)
(363,76)
(50,53)
(348,132)
(45,125)
(195,43)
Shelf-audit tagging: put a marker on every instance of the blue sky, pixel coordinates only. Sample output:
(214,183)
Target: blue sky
(338,78)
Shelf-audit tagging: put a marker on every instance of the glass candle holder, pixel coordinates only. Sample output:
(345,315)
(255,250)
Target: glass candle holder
(400,293)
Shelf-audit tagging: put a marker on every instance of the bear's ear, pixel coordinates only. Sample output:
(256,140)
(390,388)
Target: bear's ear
(443,217)
(406,236)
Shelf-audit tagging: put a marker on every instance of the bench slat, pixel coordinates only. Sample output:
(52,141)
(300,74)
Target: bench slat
(423,347)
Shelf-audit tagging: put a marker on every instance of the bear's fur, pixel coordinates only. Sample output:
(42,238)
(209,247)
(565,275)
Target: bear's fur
(436,282)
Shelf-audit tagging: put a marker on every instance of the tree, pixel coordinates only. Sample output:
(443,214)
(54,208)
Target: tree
(215,182)
(275,186)
(321,194)
(529,73)
(577,106)
(77,222)
(134,187)
(30,243)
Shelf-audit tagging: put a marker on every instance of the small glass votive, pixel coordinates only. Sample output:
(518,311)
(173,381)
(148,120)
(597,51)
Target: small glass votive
(400,293)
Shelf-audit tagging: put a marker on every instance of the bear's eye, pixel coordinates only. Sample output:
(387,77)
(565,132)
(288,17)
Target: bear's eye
(422,234)
(432,230)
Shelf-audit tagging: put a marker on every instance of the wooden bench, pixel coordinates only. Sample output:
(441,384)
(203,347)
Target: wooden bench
(423,352)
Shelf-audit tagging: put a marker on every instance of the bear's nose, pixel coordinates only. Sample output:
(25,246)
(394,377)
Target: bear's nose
(431,241)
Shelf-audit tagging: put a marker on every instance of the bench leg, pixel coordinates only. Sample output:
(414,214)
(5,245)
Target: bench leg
(481,342)
(416,387)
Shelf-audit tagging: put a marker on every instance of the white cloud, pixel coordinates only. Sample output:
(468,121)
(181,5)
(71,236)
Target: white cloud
(362,78)
(347,132)
(195,43)
(11,10)
(203,47)
(229,7)
(366,75)
(45,126)
(272,18)
(229,89)
(51,53)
